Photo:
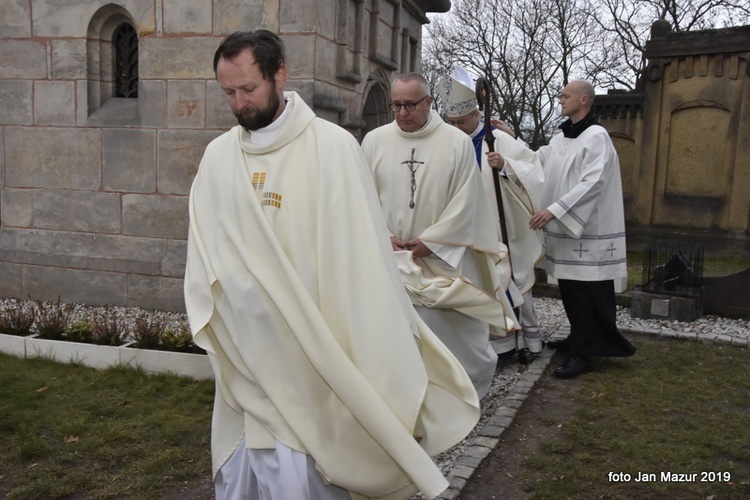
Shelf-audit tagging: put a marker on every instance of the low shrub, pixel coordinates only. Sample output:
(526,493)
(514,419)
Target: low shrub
(81,331)
(148,332)
(52,319)
(17,319)
(107,328)
(180,339)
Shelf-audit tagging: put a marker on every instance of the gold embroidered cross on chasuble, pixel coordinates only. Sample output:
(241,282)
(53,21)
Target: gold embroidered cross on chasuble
(268,198)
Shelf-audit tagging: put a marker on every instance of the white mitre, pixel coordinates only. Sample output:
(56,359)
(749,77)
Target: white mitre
(457,94)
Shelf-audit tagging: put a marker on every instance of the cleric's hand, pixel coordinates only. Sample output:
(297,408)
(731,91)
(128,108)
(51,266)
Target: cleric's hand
(540,219)
(503,127)
(418,249)
(495,160)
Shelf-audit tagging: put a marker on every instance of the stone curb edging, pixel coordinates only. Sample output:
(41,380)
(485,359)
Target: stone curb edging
(673,334)
(488,436)
(183,364)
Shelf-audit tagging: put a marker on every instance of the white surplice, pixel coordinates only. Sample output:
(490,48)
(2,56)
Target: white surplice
(583,190)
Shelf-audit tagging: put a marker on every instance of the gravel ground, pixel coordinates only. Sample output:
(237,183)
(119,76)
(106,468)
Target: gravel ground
(549,312)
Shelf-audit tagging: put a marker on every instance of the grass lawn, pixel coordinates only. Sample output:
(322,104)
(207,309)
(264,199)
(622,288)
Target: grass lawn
(74,431)
(676,407)
(69,431)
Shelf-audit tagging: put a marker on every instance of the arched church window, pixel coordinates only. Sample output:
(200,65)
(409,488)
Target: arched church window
(112,68)
(126,61)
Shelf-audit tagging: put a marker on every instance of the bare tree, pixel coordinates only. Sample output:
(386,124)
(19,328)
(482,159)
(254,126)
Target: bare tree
(529,49)
(627,25)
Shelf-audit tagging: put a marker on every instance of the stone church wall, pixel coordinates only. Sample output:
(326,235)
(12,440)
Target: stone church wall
(93,198)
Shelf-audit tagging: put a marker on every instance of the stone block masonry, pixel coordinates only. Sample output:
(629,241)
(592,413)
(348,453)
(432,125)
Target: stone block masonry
(94,177)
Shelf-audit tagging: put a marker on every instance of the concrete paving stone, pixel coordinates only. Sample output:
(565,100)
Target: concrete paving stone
(457,483)
(686,335)
(470,461)
(516,396)
(500,421)
(485,441)
(449,494)
(493,431)
(523,384)
(462,471)
(535,370)
(504,411)
(477,452)
(512,403)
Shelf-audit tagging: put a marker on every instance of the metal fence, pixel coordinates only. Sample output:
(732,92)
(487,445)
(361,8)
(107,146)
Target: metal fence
(673,268)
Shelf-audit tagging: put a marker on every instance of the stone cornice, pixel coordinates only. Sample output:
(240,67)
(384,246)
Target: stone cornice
(433,5)
(696,43)
(619,105)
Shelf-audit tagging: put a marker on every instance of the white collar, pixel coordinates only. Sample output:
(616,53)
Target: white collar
(266,135)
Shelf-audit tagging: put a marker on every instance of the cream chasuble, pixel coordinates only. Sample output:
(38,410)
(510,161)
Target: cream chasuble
(440,177)
(583,190)
(430,188)
(292,288)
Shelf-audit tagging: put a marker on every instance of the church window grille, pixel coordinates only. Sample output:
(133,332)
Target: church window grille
(126,61)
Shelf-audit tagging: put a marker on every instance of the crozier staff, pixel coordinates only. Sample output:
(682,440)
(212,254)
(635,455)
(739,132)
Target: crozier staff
(513,204)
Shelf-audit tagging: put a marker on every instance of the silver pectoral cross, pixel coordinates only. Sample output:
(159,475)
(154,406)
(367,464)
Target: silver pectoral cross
(413,166)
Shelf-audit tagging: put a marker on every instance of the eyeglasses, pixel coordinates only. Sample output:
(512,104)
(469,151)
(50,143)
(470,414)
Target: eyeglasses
(408,106)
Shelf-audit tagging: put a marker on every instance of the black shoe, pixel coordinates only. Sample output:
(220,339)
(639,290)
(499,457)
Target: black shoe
(526,356)
(561,344)
(572,366)
(507,354)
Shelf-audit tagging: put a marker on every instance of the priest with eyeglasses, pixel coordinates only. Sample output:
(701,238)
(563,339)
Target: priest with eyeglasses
(442,230)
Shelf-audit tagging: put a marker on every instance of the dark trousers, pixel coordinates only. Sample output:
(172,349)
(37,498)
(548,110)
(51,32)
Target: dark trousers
(591,310)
